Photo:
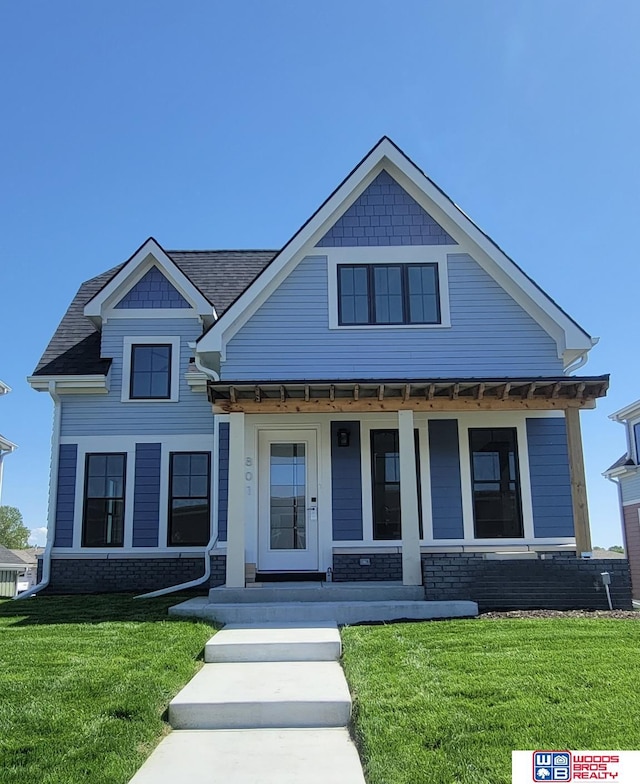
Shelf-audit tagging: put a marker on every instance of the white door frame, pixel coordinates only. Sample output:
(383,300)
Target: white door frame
(306,559)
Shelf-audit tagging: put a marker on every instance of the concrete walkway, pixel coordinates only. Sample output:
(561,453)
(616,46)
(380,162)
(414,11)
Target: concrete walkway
(271,704)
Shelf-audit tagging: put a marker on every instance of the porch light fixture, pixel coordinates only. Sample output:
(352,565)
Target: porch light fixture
(344,436)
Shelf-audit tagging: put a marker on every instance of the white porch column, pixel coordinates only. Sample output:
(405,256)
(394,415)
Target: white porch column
(236,511)
(411,564)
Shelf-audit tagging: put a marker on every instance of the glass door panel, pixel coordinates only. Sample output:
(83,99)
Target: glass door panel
(288,496)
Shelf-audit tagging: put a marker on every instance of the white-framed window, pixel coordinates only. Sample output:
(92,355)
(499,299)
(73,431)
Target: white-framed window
(388,288)
(150,369)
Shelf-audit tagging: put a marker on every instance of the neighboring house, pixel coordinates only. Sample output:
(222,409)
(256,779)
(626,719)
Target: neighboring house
(626,473)
(27,578)
(11,567)
(389,396)
(6,447)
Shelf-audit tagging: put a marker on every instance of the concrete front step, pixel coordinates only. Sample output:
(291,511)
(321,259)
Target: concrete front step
(275,642)
(287,756)
(317,592)
(262,695)
(338,612)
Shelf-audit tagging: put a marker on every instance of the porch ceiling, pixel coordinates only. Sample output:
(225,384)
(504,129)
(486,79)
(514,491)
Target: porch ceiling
(305,396)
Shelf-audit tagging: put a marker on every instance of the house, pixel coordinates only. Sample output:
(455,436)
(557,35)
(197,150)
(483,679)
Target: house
(11,567)
(27,577)
(6,447)
(387,397)
(625,472)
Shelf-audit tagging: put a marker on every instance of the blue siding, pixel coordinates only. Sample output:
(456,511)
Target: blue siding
(490,335)
(223,479)
(446,492)
(153,290)
(550,478)
(346,484)
(66,494)
(103,415)
(385,214)
(146,495)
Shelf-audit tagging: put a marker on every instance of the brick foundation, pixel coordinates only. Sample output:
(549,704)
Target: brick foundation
(128,575)
(560,581)
(384,566)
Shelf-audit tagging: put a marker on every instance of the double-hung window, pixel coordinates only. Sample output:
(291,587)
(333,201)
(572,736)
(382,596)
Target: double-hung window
(497,506)
(103,518)
(189,498)
(393,294)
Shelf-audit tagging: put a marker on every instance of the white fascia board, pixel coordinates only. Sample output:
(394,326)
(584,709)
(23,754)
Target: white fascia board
(628,412)
(571,339)
(495,262)
(4,388)
(148,255)
(71,385)
(7,446)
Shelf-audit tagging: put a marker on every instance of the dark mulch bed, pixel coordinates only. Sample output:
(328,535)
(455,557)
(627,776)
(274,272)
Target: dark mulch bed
(627,615)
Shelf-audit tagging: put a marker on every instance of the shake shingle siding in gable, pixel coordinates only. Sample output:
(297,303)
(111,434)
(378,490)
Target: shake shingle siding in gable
(86,415)
(490,335)
(385,214)
(153,290)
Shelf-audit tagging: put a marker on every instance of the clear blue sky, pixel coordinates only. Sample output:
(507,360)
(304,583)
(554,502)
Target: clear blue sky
(224,125)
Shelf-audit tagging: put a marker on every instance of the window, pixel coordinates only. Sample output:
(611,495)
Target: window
(385,481)
(150,372)
(388,294)
(497,507)
(189,482)
(103,520)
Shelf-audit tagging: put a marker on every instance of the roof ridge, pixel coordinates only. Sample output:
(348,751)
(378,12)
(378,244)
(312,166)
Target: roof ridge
(227,250)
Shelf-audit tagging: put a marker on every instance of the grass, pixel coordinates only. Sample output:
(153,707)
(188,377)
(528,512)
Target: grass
(446,702)
(84,683)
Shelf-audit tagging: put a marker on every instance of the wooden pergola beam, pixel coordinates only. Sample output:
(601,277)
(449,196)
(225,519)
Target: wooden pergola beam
(578,482)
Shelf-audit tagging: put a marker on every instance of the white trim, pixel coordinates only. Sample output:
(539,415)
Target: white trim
(628,412)
(148,255)
(196,380)
(115,553)
(569,337)
(396,254)
(149,313)
(127,444)
(136,340)
(460,546)
(73,385)
(632,502)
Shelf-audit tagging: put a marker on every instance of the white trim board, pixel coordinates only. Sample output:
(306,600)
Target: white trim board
(149,254)
(571,339)
(138,340)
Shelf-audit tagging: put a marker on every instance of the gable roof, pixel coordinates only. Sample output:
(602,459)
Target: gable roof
(573,341)
(7,558)
(221,275)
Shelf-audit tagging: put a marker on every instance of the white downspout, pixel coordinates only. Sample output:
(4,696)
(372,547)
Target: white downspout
(214,538)
(577,364)
(53,497)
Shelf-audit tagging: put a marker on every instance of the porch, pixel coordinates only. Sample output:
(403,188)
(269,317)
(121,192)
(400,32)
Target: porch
(286,473)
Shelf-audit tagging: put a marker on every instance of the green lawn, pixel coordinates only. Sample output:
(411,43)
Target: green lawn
(446,702)
(84,683)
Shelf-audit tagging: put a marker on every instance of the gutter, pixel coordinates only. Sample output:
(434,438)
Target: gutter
(213,541)
(53,495)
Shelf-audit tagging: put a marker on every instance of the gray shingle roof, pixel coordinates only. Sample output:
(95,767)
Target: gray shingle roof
(221,276)
(625,460)
(7,558)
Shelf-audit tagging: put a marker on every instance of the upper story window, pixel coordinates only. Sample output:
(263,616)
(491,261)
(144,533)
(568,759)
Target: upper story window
(150,369)
(103,518)
(150,372)
(388,294)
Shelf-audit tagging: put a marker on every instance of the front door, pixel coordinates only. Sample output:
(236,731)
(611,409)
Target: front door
(288,500)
